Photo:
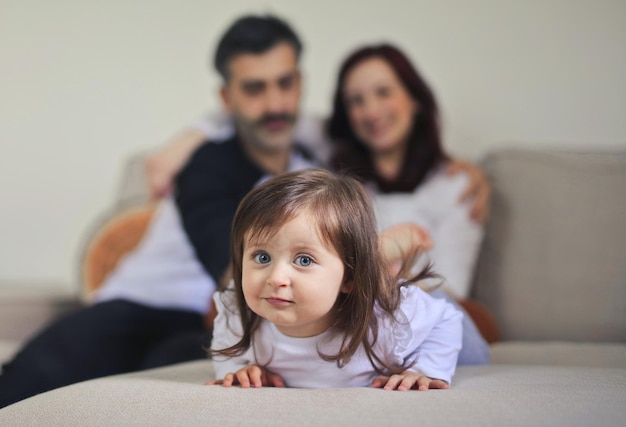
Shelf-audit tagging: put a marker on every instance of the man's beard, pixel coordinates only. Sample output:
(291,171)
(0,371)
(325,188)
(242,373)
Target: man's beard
(286,118)
(257,134)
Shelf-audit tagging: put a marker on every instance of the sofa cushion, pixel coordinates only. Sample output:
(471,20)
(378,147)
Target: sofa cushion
(607,355)
(486,396)
(113,236)
(552,262)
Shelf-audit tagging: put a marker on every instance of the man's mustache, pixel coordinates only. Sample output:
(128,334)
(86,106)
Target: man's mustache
(284,117)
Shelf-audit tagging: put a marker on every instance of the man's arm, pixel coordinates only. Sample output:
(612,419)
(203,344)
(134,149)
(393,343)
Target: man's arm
(163,165)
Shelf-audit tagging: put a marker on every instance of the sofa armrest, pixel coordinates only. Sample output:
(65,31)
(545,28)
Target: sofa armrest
(483,318)
(23,312)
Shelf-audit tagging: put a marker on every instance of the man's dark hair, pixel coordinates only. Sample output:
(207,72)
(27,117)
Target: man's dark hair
(253,34)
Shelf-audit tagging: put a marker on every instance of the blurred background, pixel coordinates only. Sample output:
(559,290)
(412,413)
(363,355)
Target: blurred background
(85,84)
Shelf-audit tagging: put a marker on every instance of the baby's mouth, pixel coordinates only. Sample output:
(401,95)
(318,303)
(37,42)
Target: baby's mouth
(278,302)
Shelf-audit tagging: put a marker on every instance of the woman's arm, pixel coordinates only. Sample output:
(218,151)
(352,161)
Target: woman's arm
(457,240)
(478,189)
(400,244)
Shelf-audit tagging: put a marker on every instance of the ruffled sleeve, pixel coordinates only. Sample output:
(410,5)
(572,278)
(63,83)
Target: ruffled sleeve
(426,335)
(227,331)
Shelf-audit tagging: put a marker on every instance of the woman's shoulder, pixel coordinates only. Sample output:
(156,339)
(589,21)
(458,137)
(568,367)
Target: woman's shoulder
(440,178)
(442,188)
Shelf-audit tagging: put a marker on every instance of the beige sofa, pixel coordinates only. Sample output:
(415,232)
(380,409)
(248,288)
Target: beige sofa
(552,271)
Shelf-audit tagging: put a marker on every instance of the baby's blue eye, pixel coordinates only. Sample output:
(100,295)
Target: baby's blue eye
(262,258)
(304,261)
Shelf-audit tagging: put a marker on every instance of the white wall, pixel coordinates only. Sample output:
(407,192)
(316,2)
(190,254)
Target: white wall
(83,84)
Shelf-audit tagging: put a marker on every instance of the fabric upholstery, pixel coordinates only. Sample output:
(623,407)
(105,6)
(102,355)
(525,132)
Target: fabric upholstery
(552,264)
(552,272)
(485,396)
(559,353)
(113,238)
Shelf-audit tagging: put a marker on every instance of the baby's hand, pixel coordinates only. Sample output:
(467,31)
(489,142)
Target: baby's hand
(251,376)
(408,380)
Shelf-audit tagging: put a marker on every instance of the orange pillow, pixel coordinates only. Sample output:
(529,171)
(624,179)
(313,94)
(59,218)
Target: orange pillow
(483,318)
(117,236)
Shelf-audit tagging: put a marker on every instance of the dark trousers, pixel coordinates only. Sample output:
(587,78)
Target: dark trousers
(103,339)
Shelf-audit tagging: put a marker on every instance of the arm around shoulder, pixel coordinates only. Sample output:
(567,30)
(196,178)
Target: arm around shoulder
(478,188)
(162,166)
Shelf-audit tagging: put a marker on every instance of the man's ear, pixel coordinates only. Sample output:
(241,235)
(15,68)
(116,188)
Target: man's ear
(225,96)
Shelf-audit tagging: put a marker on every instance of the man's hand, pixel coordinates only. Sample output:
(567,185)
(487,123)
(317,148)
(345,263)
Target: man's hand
(251,376)
(408,380)
(477,190)
(162,166)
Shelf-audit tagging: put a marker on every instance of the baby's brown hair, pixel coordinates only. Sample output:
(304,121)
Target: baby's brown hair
(346,221)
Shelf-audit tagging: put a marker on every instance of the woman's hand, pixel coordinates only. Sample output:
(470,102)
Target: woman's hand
(162,166)
(408,380)
(400,244)
(477,190)
(251,376)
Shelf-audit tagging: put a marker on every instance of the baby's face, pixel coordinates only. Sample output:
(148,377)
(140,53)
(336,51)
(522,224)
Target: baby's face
(293,278)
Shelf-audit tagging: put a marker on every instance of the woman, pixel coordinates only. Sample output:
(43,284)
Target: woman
(385,124)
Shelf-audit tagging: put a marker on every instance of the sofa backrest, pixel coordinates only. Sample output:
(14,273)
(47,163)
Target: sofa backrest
(553,262)
(133,187)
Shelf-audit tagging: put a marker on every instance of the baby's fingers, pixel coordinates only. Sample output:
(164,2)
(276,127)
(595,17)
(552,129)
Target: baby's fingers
(439,384)
(424,383)
(393,382)
(274,380)
(379,382)
(255,376)
(229,380)
(242,377)
(408,382)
